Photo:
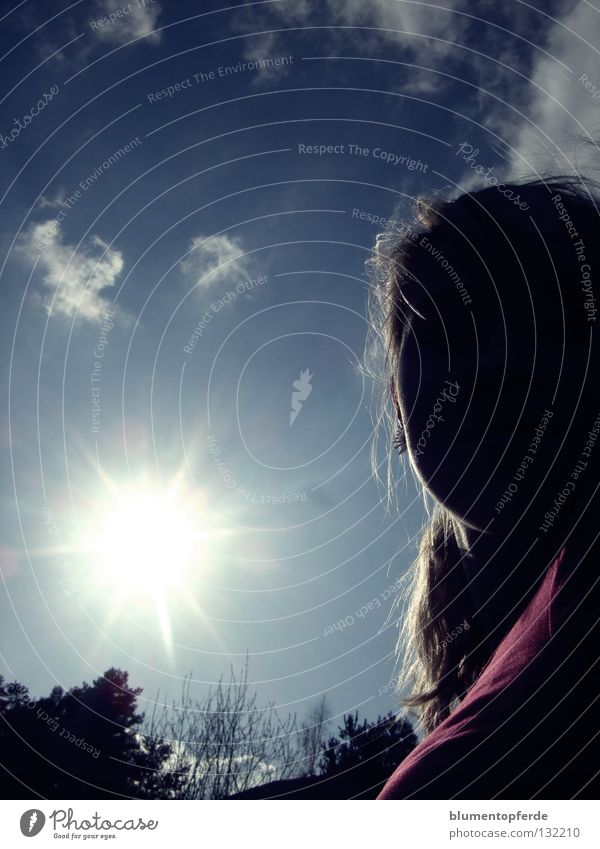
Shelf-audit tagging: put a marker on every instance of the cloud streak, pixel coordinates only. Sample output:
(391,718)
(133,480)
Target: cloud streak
(125,21)
(366,28)
(213,260)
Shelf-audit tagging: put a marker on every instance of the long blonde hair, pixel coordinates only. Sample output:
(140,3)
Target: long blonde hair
(441,645)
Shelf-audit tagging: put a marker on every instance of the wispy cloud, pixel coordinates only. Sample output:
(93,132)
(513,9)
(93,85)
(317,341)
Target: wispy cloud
(420,29)
(479,51)
(73,280)
(414,26)
(213,260)
(133,21)
(50,202)
(549,123)
(79,33)
(564,101)
(265,47)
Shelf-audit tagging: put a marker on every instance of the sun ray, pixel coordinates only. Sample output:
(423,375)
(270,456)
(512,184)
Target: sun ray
(145,546)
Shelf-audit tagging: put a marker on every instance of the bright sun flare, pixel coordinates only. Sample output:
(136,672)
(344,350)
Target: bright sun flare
(145,547)
(146,542)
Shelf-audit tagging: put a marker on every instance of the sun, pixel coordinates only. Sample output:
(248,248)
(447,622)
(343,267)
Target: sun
(145,548)
(145,543)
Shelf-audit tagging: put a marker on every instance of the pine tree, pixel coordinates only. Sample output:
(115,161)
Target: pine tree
(82,744)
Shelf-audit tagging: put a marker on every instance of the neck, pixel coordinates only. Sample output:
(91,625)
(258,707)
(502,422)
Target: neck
(504,566)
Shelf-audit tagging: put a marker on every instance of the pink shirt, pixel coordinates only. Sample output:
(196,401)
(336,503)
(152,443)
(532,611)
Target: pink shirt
(526,727)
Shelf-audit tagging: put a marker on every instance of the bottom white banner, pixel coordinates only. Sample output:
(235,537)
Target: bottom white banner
(295,823)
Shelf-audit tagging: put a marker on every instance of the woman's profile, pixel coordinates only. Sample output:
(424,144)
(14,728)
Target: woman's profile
(485,313)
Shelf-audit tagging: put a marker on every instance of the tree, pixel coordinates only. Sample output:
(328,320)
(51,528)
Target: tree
(225,743)
(92,742)
(82,744)
(365,754)
(311,737)
(353,765)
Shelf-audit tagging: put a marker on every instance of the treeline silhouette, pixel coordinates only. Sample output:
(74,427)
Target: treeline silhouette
(82,744)
(93,742)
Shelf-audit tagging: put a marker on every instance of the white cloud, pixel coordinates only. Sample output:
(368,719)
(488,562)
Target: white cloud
(73,280)
(560,106)
(49,202)
(266,47)
(422,84)
(212,260)
(476,53)
(134,21)
(420,30)
(81,27)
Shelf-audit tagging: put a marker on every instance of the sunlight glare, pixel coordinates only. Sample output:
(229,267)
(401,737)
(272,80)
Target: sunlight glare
(146,548)
(146,542)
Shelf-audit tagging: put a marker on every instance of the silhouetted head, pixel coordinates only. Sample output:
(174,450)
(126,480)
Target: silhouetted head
(492,310)
(487,308)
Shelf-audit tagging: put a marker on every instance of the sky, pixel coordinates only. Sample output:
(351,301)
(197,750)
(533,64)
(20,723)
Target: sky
(189,194)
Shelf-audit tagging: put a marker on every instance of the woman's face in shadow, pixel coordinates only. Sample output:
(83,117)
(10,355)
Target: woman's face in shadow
(465,394)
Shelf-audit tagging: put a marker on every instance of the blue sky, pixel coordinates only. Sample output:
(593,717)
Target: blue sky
(189,199)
